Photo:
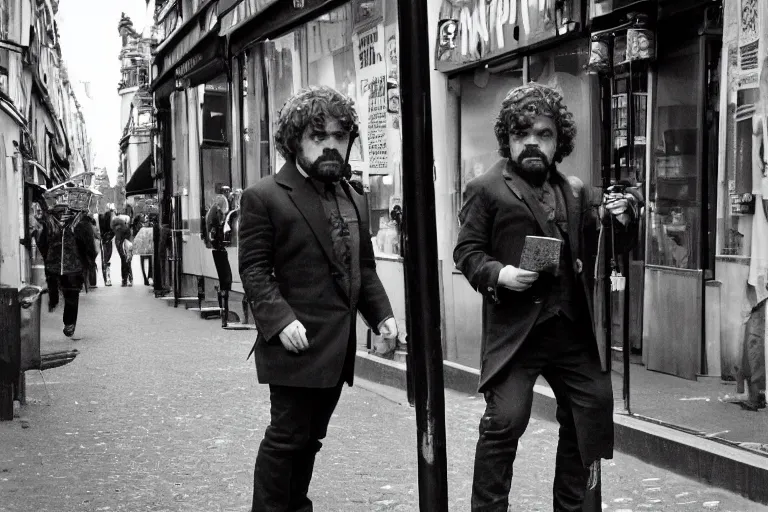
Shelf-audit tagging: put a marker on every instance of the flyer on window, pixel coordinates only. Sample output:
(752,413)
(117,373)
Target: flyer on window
(371,74)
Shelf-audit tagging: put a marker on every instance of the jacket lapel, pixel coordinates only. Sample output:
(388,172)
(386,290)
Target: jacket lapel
(523,191)
(307,201)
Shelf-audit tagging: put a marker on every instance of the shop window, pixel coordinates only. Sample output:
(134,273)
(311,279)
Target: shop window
(601,7)
(564,70)
(674,203)
(4,66)
(214,149)
(481,97)
(745,163)
(255,133)
(359,60)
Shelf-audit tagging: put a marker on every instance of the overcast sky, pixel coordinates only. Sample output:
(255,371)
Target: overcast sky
(90,45)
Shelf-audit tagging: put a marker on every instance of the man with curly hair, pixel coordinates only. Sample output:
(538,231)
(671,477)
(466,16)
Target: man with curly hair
(307,267)
(537,323)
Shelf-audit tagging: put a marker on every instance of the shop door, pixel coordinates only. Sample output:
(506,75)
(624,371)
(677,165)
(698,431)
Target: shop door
(678,221)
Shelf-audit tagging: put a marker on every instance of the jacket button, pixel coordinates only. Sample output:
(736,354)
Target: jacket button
(578,266)
(536,299)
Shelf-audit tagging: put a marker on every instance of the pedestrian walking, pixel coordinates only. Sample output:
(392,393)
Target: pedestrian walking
(66,242)
(307,266)
(537,323)
(144,246)
(121,226)
(107,238)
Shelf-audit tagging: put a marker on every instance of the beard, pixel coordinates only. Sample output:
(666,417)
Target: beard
(328,167)
(536,169)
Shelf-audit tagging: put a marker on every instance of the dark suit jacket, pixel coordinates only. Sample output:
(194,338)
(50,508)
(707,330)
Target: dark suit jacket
(499,212)
(289,272)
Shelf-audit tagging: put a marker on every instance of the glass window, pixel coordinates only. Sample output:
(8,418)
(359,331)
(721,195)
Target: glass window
(564,70)
(255,137)
(357,59)
(745,166)
(481,98)
(674,203)
(214,149)
(283,78)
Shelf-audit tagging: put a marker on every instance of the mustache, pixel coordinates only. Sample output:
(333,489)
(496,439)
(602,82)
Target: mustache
(533,152)
(329,155)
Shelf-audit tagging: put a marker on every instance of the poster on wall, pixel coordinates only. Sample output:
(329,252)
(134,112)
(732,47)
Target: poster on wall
(371,73)
(749,44)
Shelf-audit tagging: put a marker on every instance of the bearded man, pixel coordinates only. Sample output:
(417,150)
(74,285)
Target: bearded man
(307,266)
(537,323)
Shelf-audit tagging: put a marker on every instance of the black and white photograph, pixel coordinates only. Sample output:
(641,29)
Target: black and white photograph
(383,255)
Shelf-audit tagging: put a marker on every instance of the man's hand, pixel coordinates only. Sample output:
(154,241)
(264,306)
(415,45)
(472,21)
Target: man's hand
(294,337)
(616,204)
(517,279)
(388,331)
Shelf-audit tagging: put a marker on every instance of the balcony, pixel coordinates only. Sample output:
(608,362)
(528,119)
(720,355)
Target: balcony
(133,77)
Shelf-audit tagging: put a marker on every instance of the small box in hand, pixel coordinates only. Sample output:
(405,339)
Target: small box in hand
(541,254)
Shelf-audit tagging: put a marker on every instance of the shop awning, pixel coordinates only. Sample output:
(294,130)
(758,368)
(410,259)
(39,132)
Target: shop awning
(141,181)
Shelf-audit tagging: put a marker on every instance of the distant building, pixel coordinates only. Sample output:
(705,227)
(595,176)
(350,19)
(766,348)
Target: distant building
(136,111)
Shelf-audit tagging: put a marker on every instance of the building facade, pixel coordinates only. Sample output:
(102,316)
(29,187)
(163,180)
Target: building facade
(43,139)
(136,113)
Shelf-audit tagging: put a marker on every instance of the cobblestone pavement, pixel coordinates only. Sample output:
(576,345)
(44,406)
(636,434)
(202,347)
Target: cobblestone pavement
(161,412)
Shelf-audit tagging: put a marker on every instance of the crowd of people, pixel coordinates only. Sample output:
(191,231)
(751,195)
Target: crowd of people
(70,239)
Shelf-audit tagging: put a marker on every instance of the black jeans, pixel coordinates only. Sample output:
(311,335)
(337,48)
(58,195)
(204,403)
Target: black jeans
(126,272)
(70,286)
(286,456)
(558,351)
(106,255)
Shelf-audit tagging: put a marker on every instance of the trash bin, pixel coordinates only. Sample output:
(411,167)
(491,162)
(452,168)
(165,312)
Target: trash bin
(19,342)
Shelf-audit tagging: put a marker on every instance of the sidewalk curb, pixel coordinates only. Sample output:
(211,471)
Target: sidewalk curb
(709,462)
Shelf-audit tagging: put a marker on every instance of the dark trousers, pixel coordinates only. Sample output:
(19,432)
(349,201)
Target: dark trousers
(286,456)
(70,286)
(558,351)
(106,255)
(126,272)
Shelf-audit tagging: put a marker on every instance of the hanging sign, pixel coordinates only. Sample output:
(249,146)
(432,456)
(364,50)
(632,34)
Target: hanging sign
(639,44)
(599,55)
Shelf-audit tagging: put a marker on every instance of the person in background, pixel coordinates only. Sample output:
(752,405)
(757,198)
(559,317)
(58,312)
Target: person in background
(107,237)
(538,323)
(66,242)
(121,226)
(143,244)
(307,267)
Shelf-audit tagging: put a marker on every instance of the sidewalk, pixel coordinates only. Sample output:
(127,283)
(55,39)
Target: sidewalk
(161,412)
(695,405)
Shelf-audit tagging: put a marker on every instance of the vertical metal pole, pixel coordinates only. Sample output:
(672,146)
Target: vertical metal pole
(420,252)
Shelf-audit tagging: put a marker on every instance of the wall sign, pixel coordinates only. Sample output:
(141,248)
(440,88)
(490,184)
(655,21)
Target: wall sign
(473,31)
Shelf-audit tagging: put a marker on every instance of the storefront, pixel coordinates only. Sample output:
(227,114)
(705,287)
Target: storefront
(479,57)
(192,150)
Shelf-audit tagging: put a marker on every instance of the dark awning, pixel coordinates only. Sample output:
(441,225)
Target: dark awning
(141,181)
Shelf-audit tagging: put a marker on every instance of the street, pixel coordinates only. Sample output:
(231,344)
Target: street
(162,412)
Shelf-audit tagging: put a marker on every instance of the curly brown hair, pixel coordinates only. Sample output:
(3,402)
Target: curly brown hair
(311,107)
(528,101)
